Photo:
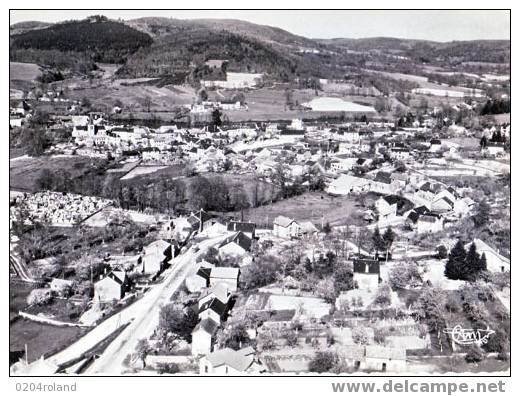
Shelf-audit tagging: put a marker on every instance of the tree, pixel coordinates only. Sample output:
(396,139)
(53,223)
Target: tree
(360,335)
(327,228)
(455,266)
(343,278)
(323,362)
(482,263)
(377,240)
(261,272)
(404,275)
(388,239)
(482,214)
(442,252)
(429,307)
(474,354)
(383,296)
(472,263)
(142,350)
(42,296)
(235,337)
(216,119)
(483,142)
(173,318)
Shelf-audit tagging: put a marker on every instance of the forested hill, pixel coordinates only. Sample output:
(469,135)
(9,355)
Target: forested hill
(104,40)
(428,51)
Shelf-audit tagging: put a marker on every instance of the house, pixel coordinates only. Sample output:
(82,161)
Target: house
(494,148)
(247,228)
(199,280)
(382,358)
(429,224)
(236,246)
(367,273)
(219,291)
(200,220)
(307,228)
(435,145)
(387,207)
(156,257)
(494,260)
(347,184)
(202,337)
(112,286)
(227,275)
(442,205)
(229,361)
(213,309)
(285,227)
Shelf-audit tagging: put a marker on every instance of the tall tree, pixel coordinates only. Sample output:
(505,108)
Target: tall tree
(472,263)
(377,240)
(454,268)
(388,239)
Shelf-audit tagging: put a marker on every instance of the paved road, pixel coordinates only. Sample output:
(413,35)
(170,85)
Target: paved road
(146,315)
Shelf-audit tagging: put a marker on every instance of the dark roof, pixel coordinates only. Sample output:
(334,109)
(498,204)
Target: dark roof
(241,226)
(414,214)
(204,273)
(366,266)
(383,177)
(435,141)
(391,199)
(208,325)
(216,305)
(240,239)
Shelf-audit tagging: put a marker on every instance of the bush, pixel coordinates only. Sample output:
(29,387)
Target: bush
(40,297)
(474,355)
(168,368)
(323,362)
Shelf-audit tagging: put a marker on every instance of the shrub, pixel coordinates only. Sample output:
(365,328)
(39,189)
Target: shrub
(168,368)
(40,297)
(474,355)
(323,362)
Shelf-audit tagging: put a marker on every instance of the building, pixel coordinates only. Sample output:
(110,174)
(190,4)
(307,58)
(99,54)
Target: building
(247,228)
(202,337)
(213,309)
(367,273)
(228,361)
(227,275)
(112,286)
(494,260)
(429,224)
(381,358)
(285,227)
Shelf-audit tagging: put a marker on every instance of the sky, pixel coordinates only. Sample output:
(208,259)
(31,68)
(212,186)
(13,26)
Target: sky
(438,25)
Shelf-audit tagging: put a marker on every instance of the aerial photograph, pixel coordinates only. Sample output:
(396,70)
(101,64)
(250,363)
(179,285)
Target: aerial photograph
(259,193)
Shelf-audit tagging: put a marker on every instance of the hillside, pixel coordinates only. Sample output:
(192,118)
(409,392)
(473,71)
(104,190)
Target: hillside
(104,40)
(497,51)
(157,27)
(21,27)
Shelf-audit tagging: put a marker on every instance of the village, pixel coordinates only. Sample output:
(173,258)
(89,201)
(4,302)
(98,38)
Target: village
(342,237)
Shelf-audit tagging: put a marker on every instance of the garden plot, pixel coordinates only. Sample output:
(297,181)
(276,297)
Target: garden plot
(142,170)
(308,306)
(435,274)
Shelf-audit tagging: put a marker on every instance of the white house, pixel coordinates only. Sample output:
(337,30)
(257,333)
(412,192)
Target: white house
(112,286)
(228,275)
(285,228)
(367,274)
(228,361)
(381,358)
(495,262)
(202,337)
(429,224)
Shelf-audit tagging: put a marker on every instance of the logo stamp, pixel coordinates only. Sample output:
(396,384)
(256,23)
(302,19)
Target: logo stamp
(469,336)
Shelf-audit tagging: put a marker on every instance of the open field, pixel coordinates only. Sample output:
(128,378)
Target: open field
(40,338)
(311,206)
(142,170)
(23,71)
(24,172)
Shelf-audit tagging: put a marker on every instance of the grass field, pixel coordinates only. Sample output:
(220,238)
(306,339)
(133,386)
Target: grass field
(24,172)
(23,71)
(40,338)
(311,206)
